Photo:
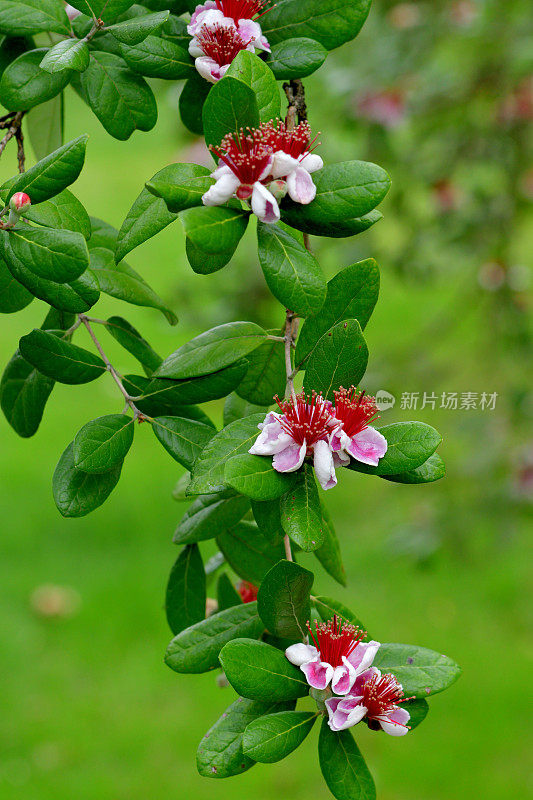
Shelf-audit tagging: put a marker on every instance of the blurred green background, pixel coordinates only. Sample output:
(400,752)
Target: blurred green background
(438,94)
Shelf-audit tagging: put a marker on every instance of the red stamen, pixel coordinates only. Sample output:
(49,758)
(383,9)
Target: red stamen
(354,409)
(247,591)
(381,695)
(306,420)
(335,639)
(220,43)
(295,142)
(242,9)
(244,155)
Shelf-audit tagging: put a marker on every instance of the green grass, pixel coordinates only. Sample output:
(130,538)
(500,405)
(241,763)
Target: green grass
(89,710)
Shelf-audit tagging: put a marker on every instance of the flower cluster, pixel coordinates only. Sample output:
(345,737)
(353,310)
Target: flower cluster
(330,433)
(339,661)
(220,29)
(261,165)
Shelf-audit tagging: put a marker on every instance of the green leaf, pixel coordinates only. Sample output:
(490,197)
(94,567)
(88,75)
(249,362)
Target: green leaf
(102,235)
(283,600)
(58,320)
(250,554)
(66,54)
(186,593)
(420,671)
(261,672)
(265,377)
(59,359)
(343,767)
(13,296)
(212,350)
(158,58)
(343,191)
(268,518)
(135,30)
(253,72)
(51,174)
(230,106)
(208,516)
(220,753)
(197,649)
(132,341)
(338,359)
(122,282)
(255,477)
(108,10)
(103,443)
(204,263)
(44,124)
(24,392)
(191,102)
(62,211)
(409,445)
(338,229)
(227,595)
(77,493)
(274,736)
(296,58)
(236,438)
(301,513)
(215,230)
(183,438)
(165,397)
(418,709)
(327,608)
(236,408)
(329,553)
(351,294)
(24,84)
(292,273)
(24,17)
(120,98)
(330,22)
(431,470)
(181,186)
(56,255)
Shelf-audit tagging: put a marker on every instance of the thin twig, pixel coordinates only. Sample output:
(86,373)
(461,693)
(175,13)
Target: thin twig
(111,369)
(14,126)
(21,157)
(289,341)
(288,551)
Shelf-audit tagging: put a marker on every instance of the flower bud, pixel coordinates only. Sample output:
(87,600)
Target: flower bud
(19,202)
(278,189)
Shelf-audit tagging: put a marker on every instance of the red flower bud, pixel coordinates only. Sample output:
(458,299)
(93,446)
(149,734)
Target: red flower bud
(19,202)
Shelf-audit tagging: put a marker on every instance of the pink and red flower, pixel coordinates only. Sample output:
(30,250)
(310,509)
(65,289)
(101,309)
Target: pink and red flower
(354,436)
(215,47)
(337,656)
(374,697)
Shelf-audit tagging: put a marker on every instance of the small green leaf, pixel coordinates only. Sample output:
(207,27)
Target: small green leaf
(186,593)
(67,54)
(24,392)
(431,470)
(77,493)
(132,341)
(197,649)
(420,671)
(266,376)
(343,767)
(292,273)
(62,211)
(59,359)
(24,84)
(58,256)
(250,554)
(301,513)
(261,672)
(330,22)
(338,359)
(51,174)
(183,438)
(253,72)
(103,443)
(13,296)
(215,230)
(135,30)
(409,445)
(181,186)
(351,294)
(220,753)
(208,516)
(227,595)
(283,600)
(328,608)
(236,438)
(296,58)
(230,106)
(25,17)
(255,477)
(274,736)
(212,350)
(158,58)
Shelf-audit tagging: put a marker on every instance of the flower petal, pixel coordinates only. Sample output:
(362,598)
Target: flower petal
(395,722)
(264,204)
(283,164)
(342,715)
(272,438)
(368,446)
(290,458)
(311,162)
(249,30)
(343,677)
(362,656)
(300,653)
(323,464)
(224,188)
(301,187)
(318,673)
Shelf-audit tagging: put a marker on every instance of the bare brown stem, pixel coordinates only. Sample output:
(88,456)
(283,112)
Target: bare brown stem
(13,122)
(288,551)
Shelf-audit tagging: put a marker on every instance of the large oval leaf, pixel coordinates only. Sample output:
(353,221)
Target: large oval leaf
(420,671)
(208,516)
(330,22)
(60,359)
(252,71)
(273,736)
(77,493)
(255,477)
(409,445)
(183,438)
(59,256)
(261,672)
(338,359)
(230,106)
(301,512)
(103,443)
(343,767)
(24,84)
(249,552)
(283,600)
(186,593)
